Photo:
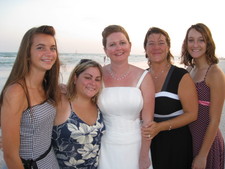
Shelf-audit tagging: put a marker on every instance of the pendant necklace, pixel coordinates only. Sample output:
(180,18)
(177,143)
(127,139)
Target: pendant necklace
(160,73)
(117,77)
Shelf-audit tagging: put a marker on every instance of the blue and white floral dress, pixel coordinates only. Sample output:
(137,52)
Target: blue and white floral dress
(77,144)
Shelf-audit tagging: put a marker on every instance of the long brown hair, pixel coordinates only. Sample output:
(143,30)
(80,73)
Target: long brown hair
(21,65)
(211,58)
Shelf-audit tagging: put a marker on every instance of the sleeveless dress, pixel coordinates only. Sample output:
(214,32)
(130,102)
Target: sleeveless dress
(35,134)
(215,159)
(171,149)
(121,107)
(77,144)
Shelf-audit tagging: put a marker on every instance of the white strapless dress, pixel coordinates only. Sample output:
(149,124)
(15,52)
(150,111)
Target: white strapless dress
(120,145)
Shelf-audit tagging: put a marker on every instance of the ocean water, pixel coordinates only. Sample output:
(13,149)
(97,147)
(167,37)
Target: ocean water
(68,61)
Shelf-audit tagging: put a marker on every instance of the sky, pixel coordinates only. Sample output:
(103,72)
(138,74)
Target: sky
(79,23)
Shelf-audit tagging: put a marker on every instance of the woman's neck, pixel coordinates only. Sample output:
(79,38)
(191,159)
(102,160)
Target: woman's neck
(118,72)
(119,68)
(82,100)
(34,81)
(158,67)
(158,70)
(201,63)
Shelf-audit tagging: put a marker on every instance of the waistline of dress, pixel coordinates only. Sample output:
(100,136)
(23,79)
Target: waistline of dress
(122,125)
(121,131)
(121,137)
(177,113)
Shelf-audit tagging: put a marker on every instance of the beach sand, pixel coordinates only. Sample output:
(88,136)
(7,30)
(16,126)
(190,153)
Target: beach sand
(144,66)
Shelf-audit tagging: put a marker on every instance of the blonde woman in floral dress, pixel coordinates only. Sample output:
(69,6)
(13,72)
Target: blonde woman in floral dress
(79,124)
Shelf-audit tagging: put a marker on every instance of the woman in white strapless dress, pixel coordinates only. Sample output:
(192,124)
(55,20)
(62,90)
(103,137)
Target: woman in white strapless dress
(127,104)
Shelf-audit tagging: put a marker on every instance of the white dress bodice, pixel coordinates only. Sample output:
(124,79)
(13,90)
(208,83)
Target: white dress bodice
(121,107)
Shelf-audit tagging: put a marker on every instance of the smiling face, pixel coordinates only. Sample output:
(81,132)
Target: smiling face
(88,83)
(117,47)
(43,52)
(196,44)
(157,48)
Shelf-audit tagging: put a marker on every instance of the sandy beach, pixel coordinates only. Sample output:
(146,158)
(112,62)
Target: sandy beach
(144,66)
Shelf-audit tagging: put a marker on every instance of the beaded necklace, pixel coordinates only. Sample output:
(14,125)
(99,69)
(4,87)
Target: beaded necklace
(118,77)
(160,73)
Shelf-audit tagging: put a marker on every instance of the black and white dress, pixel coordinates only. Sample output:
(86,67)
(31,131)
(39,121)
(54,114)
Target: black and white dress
(171,149)
(35,134)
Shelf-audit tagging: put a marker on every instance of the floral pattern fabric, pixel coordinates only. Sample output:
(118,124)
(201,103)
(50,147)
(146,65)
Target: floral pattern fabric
(77,144)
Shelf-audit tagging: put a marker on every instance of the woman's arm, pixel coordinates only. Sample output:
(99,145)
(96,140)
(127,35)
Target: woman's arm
(62,110)
(189,99)
(148,92)
(14,103)
(216,81)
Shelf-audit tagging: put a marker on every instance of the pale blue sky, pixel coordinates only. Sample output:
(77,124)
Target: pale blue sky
(79,23)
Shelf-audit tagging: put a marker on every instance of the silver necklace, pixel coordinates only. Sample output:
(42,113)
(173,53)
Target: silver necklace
(118,77)
(160,73)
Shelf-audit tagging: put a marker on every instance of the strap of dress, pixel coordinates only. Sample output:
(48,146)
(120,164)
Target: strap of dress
(207,71)
(24,86)
(168,78)
(26,92)
(71,107)
(103,84)
(141,78)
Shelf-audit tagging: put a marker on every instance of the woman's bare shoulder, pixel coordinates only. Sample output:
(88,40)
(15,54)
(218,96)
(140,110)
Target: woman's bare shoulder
(215,74)
(15,99)
(15,90)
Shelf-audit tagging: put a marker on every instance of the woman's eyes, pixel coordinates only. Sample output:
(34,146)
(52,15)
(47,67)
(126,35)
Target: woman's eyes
(120,43)
(44,48)
(199,40)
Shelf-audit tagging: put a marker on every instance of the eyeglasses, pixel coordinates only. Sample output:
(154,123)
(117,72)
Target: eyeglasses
(84,61)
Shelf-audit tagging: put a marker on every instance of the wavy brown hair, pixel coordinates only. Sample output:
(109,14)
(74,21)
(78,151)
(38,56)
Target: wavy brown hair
(155,30)
(21,65)
(211,58)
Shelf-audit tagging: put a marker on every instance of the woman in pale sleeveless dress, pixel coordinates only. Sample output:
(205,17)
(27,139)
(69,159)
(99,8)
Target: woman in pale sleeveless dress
(127,104)
(121,107)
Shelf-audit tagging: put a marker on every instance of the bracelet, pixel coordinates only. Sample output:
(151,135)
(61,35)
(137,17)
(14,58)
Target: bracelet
(170,127)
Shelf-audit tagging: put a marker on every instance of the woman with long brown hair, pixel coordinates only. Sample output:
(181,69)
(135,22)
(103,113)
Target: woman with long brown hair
(28,102)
